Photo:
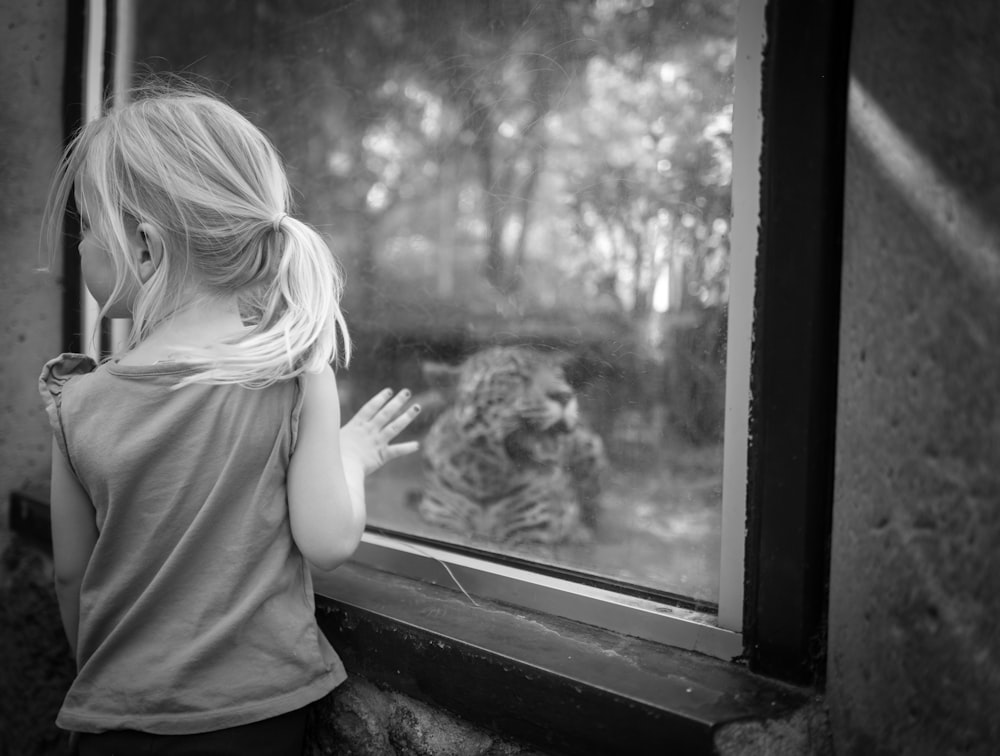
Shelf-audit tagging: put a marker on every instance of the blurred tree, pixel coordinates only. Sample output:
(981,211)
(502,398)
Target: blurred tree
(645,161)
(575,151)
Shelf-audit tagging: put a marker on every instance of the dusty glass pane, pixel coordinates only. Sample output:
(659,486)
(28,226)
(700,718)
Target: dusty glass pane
(542,187)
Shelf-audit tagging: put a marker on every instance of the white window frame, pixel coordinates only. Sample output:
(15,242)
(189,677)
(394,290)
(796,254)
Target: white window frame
(719,635)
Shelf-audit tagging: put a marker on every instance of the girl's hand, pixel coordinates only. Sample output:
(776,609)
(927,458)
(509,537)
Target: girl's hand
(364,439)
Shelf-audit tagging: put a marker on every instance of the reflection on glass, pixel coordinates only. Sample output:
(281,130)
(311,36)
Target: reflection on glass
(532,203)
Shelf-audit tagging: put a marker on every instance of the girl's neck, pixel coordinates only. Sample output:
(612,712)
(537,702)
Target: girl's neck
(195,326)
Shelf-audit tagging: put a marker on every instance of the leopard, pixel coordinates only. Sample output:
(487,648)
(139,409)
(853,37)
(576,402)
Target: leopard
(509,460)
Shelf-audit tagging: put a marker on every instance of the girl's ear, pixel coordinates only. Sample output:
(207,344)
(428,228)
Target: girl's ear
(147,247)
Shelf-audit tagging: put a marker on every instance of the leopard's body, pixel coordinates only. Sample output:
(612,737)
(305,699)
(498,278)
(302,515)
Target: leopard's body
(508,460)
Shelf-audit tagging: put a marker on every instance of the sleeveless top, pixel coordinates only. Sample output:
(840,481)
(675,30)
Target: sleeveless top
(196,608)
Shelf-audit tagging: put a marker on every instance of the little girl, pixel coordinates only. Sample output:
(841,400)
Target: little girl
(198,474)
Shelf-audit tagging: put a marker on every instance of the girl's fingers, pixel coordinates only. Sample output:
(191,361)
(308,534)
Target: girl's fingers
(391,409)
(384,405)
(385,412)
(372,407)
(393,429)
(393,451)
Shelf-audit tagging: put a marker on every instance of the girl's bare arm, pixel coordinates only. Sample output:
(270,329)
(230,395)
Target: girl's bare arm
(326,495)
(74,533)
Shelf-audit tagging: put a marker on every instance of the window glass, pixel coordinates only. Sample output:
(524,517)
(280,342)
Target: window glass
(540,193)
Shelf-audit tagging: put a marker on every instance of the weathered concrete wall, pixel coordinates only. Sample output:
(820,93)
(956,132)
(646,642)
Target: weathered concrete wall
(34,655)
(31,58)
(914,641)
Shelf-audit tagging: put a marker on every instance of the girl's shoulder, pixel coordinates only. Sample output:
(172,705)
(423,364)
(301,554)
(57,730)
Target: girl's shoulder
(60,370)
(57,373)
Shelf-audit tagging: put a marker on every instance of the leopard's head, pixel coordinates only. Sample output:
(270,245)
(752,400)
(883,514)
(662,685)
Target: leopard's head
(517,398)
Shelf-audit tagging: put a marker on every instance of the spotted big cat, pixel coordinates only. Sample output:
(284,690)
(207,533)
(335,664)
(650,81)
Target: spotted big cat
(508,459)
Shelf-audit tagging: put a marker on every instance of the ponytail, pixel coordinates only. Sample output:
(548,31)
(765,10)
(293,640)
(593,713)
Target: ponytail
(293,304)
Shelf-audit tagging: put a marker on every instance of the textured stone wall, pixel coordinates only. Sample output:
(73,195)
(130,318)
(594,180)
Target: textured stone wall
(914,636)
(360,719)
(31,58)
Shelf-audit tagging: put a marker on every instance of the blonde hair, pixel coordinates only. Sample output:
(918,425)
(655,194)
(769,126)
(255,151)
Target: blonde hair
(214,187)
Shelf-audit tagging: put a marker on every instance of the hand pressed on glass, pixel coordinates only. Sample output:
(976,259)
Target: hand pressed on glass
(365,437)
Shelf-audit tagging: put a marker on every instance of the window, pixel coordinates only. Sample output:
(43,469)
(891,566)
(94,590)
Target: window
(579,178)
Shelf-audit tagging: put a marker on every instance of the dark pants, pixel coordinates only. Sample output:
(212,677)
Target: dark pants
(278,736)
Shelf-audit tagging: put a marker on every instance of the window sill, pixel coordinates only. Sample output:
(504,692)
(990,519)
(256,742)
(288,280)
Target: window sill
(560,685)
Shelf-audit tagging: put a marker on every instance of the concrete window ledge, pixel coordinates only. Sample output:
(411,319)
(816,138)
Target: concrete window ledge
(557,685)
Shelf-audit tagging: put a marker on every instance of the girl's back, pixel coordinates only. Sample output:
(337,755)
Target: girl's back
(186,617)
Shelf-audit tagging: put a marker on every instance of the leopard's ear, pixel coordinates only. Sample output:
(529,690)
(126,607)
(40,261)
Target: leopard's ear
(581,366)
(440,379)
